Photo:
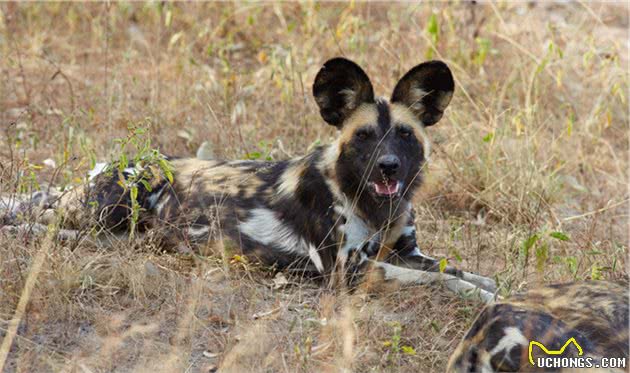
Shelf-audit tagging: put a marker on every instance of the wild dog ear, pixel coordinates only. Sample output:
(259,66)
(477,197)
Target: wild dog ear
(340,87)
(427,90)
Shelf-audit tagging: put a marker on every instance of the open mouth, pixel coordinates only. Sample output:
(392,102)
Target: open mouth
(386,188)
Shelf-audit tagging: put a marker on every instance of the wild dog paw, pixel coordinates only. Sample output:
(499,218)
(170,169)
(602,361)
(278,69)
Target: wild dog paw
(482,282)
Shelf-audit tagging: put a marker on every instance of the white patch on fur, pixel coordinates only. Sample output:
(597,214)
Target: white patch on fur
(409,230)
(98,169)
(355,231)
(155,196)
(134,171)
(329,158)
(512,338)
(326,166)
(198,232)
(161,204)
(290,179)
(425,142)
(487,366)
(315,258)
(264,227)
(416,252)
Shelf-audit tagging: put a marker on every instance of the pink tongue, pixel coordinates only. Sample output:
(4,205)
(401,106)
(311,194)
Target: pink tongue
(386,188)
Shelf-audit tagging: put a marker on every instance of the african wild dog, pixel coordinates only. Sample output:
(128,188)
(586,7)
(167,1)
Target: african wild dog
(595,313)
(336,207)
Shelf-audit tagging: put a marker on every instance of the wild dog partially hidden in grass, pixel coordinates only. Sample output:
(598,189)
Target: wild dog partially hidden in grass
(343,208)
(594,313)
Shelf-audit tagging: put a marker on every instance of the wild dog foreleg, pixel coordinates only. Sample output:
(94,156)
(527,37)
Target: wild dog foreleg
(407,276)
(407,254)
(359,266)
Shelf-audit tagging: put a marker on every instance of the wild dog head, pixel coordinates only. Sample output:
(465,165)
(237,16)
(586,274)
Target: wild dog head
(382,145)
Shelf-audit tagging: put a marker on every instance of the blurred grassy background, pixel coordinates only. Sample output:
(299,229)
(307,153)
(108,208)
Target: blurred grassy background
(528,180)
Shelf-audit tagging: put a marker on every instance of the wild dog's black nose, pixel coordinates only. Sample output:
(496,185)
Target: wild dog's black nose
(388,164)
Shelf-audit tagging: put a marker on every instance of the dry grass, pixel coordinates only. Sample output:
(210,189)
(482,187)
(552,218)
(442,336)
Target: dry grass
(535,142)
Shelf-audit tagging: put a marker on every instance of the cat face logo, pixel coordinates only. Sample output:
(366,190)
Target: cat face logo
(553,352)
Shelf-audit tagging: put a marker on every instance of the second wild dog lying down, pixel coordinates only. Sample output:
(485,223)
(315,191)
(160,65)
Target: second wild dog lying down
(333,209)
(593,313)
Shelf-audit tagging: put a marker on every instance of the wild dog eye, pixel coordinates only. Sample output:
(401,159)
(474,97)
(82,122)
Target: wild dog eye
(364,134)
(404,132)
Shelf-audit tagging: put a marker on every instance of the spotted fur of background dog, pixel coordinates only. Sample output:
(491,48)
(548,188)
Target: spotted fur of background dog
(342,208)
(595,313)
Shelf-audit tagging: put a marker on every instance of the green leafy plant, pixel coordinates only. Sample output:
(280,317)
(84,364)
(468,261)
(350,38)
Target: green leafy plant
(394,346)
(303,352)
(483,49)
(539,244)
(146,166)
(262,153)
(433,30)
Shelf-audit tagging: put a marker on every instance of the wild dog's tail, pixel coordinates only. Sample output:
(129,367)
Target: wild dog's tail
(14,207)
(113,199)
